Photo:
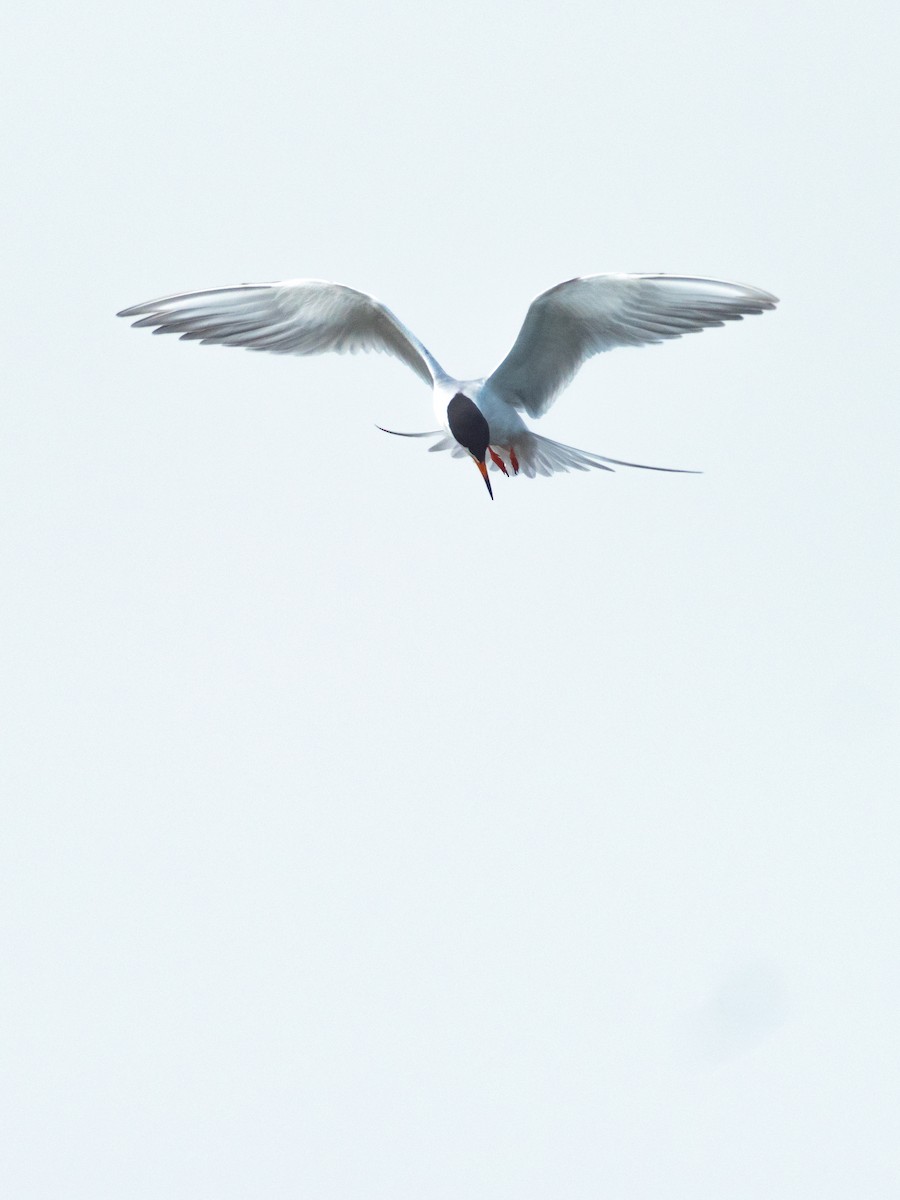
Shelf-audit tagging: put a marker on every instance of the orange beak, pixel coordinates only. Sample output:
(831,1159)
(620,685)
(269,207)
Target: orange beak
(482,467)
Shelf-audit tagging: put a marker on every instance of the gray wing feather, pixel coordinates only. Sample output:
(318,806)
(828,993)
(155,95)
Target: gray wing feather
(299,316)
(575,320)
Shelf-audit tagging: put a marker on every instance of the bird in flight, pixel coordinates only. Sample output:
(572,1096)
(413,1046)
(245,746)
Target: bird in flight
(478,418)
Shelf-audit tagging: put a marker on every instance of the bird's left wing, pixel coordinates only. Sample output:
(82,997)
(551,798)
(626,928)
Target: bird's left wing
(298,316)
(575,320)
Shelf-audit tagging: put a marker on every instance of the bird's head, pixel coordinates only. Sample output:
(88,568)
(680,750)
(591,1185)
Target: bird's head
(471,430)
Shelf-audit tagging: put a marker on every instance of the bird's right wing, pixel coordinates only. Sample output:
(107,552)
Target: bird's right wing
(298,316)
(573,321)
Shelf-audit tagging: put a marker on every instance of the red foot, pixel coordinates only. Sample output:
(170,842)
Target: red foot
(499,461)
(513,461)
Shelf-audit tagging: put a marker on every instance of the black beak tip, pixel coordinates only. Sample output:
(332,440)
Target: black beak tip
(487,483)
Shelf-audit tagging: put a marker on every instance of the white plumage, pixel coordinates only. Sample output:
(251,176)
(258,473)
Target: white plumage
(563,328)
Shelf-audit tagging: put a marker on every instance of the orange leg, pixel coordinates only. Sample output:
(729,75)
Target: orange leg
(498,460)
(513,461)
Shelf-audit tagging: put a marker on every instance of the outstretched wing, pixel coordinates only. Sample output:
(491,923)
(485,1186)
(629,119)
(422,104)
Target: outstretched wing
(573,321)
(298,316)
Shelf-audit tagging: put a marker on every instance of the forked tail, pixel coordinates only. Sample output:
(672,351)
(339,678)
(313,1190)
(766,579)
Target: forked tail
(537,455)
(543,456)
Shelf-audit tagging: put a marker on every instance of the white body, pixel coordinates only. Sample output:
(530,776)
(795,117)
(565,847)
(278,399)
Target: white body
(507,427)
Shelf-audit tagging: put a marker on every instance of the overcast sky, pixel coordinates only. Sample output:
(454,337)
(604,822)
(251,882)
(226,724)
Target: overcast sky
(363,838)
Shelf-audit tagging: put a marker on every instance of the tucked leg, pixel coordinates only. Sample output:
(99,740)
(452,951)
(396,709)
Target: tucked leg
(514,462)
(498,461)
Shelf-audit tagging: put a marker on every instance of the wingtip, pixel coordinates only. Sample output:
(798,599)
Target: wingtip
(762,300)
(136,310)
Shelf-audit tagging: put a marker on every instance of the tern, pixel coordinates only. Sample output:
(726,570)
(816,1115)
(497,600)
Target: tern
(478,418)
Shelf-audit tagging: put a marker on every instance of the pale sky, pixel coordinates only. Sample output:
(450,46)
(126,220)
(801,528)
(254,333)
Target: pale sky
(363,838)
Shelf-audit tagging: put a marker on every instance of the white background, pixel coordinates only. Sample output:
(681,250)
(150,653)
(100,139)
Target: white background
(363,838)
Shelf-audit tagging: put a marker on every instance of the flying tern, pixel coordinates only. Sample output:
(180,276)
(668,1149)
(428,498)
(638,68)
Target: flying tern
(478,418)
